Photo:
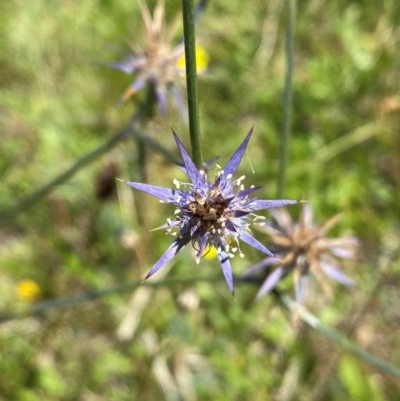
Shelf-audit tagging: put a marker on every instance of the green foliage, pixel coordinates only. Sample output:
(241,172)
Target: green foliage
(358,385)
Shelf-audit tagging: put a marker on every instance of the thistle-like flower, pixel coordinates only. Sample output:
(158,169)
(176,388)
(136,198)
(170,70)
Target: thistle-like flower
(303,249)
(210,214)
(157,63)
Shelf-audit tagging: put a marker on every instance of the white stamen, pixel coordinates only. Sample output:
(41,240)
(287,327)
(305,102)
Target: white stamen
(176,183)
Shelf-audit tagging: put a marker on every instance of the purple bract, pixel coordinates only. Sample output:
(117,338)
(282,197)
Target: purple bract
(211,213)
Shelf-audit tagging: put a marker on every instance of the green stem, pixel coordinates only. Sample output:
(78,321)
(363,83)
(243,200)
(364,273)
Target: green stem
(191,80)
(148,114)
(287,99)
(140,170)
(141,158)
(151,143)
(332,334)
(59,303)
(286,301)
(9,215)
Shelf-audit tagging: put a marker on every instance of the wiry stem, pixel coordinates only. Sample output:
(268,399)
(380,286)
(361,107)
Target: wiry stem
(59,303)
(191,80)
(332,334)
(287,99)
(9,215)
(140,172)
(148,114)
(141,159)
(286,300)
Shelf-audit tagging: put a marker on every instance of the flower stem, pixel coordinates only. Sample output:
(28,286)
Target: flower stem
(131,129)
(148,111)
(332,334)
(140,171)
(191,80)
(287,99)
(284,299)
(85,296)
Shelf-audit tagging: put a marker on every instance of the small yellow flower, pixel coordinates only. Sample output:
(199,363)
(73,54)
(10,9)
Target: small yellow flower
(28,290)
(202,59)
(210,252)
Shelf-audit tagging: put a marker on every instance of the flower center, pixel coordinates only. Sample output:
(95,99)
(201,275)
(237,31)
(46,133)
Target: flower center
(209,209)
(208,214)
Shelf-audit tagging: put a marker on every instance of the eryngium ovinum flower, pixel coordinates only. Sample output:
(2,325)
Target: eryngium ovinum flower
(157,62)
(211,213)
(303,249)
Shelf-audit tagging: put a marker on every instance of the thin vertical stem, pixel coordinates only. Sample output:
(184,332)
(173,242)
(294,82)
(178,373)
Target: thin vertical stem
(191,79)
(287,98)
(140,170)
(148,113)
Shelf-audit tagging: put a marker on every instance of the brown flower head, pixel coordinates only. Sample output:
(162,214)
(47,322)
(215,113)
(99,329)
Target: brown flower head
(157,62)
(303,248)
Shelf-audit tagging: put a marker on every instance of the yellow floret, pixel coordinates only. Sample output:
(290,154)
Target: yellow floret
(28,290)
(202,59)
(210,252)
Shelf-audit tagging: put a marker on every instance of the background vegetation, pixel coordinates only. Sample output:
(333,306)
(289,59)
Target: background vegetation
(192,341)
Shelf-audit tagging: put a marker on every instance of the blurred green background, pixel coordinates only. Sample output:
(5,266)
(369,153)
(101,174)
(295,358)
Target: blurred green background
(58,102)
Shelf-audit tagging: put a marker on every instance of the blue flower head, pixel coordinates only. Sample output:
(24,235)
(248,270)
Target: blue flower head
(209,213)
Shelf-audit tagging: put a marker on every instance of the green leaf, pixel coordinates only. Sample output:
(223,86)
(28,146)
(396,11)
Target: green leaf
(354,379)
